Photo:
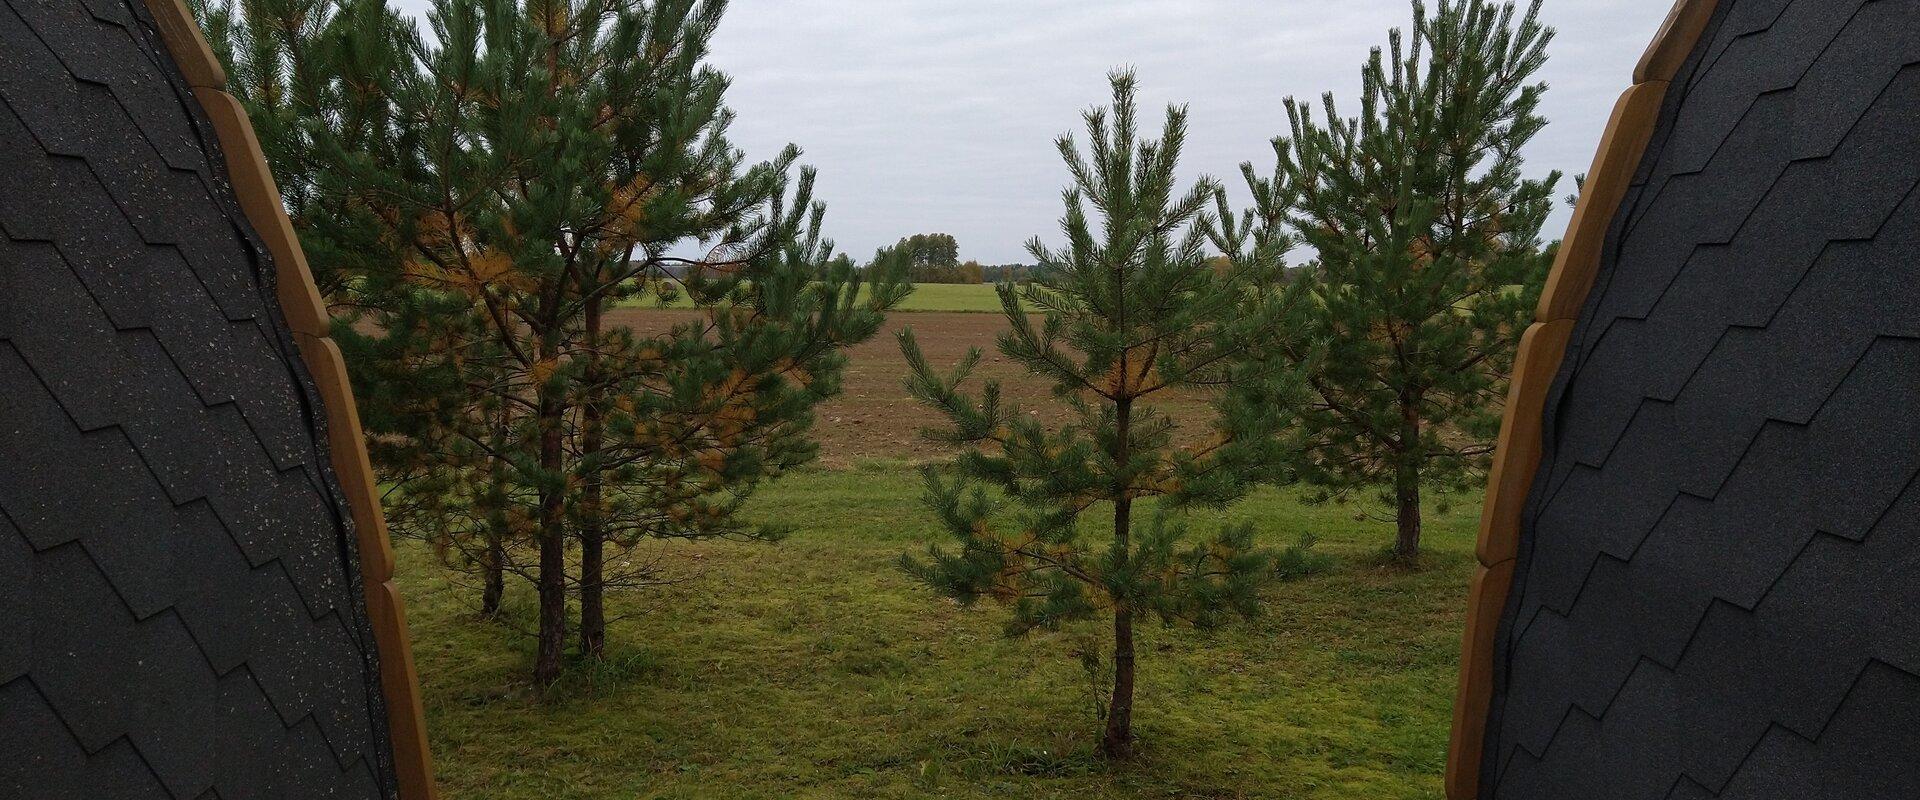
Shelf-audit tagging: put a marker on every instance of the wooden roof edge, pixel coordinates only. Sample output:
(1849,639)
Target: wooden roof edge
(306,316)
(1518,454)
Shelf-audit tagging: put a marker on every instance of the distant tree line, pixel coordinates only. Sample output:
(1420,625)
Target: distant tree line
(1006,273)
(935,258)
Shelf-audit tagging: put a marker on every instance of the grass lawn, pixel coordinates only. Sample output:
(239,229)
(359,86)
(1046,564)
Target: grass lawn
(812,668)
(978,297)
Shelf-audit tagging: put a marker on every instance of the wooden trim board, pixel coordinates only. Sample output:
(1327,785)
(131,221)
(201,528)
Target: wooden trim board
(1621,149)
(306,316)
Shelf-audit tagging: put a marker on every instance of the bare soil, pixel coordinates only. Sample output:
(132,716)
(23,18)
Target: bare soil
(874,419)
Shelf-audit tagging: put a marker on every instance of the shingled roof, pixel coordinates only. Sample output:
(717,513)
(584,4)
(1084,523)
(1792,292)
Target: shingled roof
(1714,569)
(194,580)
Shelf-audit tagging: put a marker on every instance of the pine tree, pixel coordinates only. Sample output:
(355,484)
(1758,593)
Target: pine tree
(312,76)
(1428,255)
(676,429)
(484,196)
(600,133)
(1131,311)
(317,78)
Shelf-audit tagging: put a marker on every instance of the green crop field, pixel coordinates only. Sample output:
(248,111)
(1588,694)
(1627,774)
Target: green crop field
(813,668)
(978,297)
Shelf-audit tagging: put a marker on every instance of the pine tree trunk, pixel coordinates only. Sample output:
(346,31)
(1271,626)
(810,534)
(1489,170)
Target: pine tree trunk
(495,586)
(1406,485)
(553,546)
(593,610)
(1406,546)
(1117,743)
(494,580)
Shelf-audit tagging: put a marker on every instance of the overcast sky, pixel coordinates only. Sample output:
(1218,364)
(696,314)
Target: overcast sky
(939,115)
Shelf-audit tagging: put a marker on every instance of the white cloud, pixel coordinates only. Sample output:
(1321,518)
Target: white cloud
(939,115)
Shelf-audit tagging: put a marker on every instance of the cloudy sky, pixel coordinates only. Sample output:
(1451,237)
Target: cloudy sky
(939,115)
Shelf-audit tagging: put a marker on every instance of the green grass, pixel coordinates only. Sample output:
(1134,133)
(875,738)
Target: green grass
(925,297)
(812,668)
(953,297)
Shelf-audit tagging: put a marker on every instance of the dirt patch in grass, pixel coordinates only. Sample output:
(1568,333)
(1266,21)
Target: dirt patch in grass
(874,419)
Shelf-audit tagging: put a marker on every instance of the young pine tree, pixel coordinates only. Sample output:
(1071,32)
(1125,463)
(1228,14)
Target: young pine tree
(1429,260)
(570,148)
(1131,310)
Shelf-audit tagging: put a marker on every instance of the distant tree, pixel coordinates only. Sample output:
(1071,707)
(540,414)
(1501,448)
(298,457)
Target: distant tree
(971,272)
(927,258)
(1429,260)
(999,273)
(1132,310)
(931,249)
